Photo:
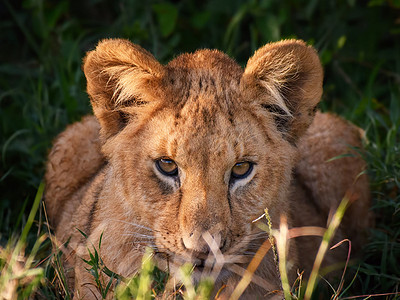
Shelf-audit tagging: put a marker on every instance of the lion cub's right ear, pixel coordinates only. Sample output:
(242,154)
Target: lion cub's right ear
(121,81)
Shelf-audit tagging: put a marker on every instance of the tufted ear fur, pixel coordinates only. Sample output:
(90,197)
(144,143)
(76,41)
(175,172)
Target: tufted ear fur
(120,77)
(285,78)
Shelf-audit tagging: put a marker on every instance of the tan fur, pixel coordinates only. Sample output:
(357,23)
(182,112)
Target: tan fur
(206,113)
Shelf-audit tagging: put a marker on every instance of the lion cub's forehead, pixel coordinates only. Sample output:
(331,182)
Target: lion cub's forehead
(205,109)
(206,75)
(205,137)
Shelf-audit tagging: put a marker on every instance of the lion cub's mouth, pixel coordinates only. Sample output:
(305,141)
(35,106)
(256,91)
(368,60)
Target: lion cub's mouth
(204,265)
(204,262)
(210,267)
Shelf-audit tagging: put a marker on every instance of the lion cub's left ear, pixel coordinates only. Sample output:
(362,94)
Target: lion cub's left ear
(285,78)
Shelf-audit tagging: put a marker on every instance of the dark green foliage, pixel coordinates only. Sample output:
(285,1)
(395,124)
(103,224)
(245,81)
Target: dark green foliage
(42,87)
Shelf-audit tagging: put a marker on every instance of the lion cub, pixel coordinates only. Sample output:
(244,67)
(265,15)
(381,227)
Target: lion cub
(183,157)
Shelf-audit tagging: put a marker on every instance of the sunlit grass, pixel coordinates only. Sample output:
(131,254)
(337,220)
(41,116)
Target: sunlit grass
(19,277)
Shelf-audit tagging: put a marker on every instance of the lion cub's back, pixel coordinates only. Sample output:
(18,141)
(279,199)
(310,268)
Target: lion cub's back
(331,166)
(73,160)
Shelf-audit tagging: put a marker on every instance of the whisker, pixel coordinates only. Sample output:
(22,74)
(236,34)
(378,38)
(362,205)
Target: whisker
(139,235)
(140,241)
(134,224)
(144,244)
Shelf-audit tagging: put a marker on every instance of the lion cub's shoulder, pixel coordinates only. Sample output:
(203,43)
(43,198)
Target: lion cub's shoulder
(73,160)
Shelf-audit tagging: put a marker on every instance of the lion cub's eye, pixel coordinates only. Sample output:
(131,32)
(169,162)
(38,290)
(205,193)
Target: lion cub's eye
(242,169)
(167,167)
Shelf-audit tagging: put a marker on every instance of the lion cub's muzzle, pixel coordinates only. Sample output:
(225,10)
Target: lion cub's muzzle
(204,245)
(206,248)
(203,242)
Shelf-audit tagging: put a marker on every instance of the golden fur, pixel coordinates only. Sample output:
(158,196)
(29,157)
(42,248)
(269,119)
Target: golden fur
(206,113)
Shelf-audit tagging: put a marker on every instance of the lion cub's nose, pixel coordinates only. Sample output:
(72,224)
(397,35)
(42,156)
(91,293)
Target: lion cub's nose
(201,241)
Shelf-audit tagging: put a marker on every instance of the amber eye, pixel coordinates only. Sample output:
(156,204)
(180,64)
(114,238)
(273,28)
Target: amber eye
(167,167)
(242,169)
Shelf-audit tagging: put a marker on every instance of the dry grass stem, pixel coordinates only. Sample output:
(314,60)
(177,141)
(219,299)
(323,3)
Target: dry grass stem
(249,272)
(329,233)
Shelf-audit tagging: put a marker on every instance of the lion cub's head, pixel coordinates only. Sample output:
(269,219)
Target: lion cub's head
(198,148)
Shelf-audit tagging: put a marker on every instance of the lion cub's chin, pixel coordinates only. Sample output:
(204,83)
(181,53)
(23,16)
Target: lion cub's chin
(199,268)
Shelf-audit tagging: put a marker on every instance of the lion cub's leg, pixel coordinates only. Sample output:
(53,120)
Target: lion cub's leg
(326,175)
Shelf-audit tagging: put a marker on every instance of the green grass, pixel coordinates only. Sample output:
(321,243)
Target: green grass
(42,89)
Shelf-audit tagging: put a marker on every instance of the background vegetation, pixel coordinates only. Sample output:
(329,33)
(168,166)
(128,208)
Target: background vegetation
(42,89)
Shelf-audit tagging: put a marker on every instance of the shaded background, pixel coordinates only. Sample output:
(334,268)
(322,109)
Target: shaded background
(42,87)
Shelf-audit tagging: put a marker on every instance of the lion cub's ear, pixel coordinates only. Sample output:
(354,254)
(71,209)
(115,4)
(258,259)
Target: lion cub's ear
(121,77)
(285,78)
